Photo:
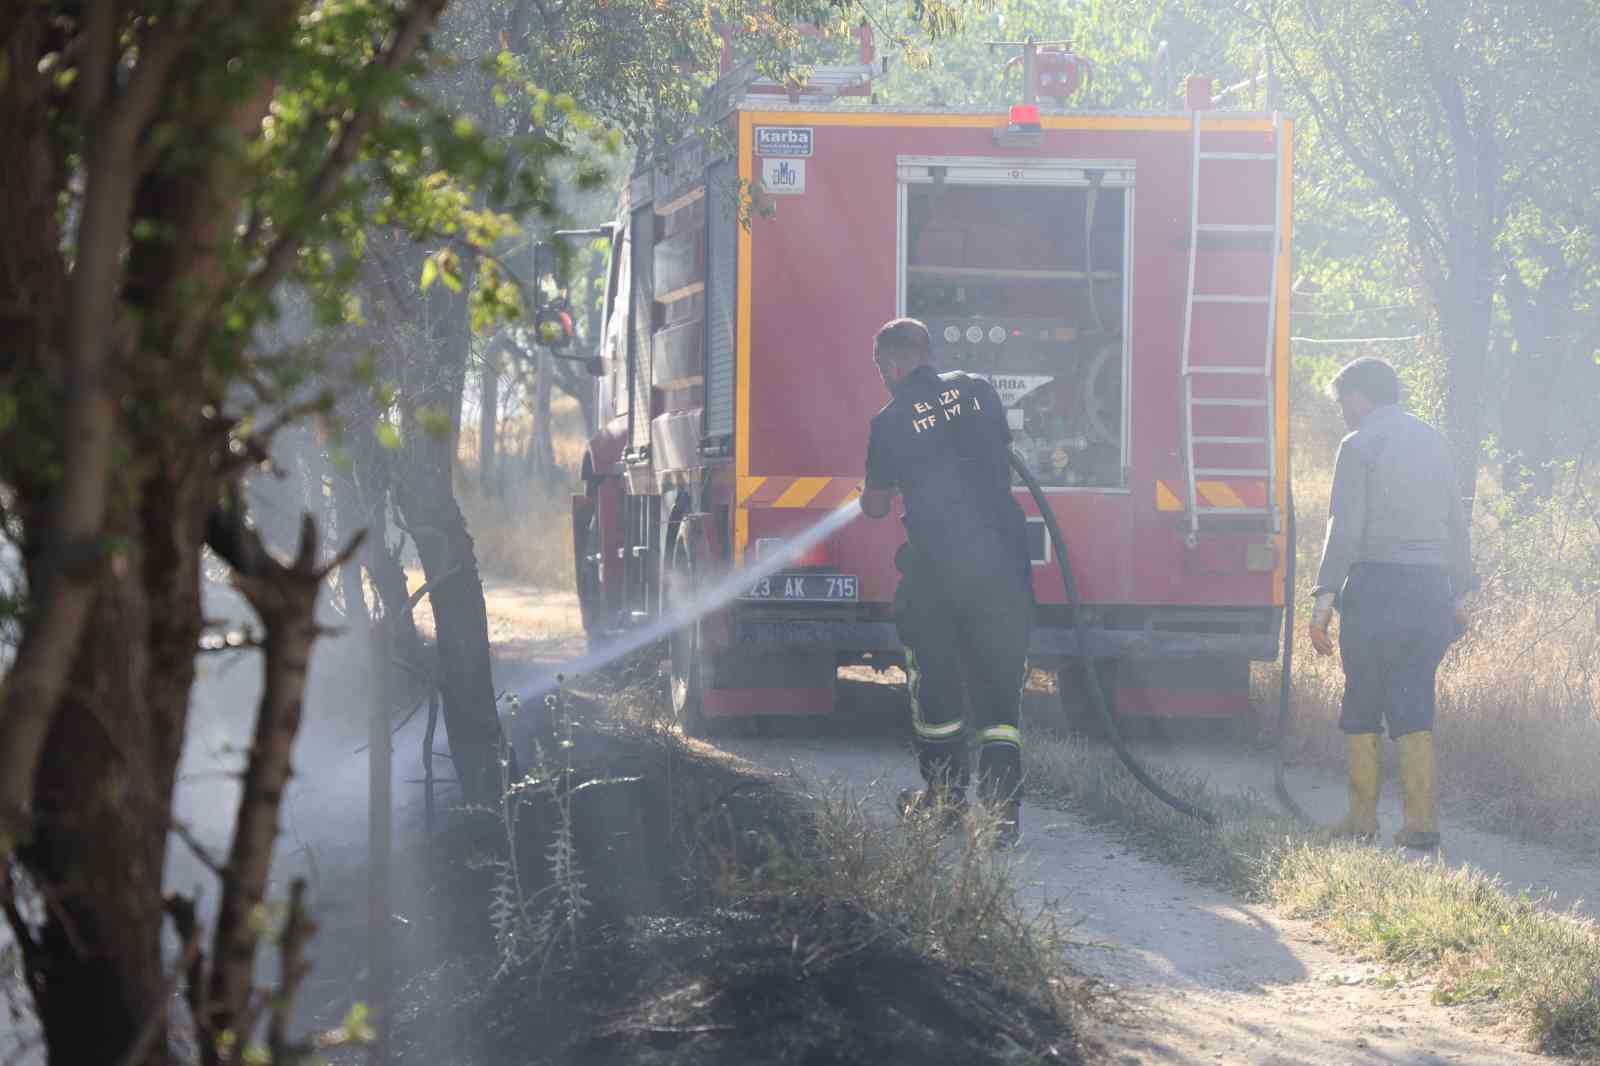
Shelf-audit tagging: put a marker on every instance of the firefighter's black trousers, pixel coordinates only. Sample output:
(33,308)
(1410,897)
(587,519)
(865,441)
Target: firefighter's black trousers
(966,639)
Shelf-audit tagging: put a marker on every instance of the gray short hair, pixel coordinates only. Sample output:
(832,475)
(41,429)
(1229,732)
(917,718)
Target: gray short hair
(1372,377)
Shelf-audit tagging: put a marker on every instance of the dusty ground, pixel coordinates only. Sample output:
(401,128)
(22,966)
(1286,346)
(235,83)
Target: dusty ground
(1570,881)
(1201,978)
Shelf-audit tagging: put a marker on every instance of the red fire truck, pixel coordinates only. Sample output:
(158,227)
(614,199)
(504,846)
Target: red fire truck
(1122,280)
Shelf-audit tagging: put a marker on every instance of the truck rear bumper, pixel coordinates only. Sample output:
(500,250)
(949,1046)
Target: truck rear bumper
(1046,642)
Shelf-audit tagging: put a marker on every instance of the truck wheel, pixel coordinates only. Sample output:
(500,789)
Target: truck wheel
(586,555)
(1077,702)
(686,675)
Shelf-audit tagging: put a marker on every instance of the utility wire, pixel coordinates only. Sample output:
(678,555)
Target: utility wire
(1355,340)
(1356,311)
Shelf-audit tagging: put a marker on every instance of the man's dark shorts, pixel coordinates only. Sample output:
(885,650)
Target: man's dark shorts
(1395,624)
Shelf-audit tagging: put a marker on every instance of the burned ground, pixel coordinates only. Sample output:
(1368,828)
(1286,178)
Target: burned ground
(676,959)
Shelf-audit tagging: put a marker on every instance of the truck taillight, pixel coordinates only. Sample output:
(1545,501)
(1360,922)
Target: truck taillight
(1024,117)
(815,556)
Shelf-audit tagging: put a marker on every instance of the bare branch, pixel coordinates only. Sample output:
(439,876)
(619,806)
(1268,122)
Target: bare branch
(1387,173)
(429,586)
(257,446)
(285,598)
(297,933)
(157,1020)
(185,919)
(183,833)
(345,555)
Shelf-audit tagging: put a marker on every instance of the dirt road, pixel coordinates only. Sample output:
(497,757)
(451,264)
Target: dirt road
(1202,977)
(1545,871)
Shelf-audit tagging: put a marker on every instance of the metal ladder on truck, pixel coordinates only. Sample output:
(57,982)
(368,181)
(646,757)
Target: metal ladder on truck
(1229,398)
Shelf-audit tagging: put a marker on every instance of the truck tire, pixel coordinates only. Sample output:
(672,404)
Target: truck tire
(686,675)
(1077,702)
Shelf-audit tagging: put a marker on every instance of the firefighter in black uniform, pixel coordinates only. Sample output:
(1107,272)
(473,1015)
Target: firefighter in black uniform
(965,601)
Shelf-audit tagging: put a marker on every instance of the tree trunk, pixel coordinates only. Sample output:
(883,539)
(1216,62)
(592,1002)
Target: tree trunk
(104,787)
(488,421)
(574,380)
(1539,326)
(541,445)
(367,508)
(425,494)
(350,519)
(64,340)
(1465,311)
(461,619)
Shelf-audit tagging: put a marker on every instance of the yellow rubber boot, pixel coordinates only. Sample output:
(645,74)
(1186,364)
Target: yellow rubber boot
(1419,781)
(1361,762)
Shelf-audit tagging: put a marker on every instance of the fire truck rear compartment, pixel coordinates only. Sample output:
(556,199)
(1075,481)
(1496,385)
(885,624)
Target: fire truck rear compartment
(1025,285)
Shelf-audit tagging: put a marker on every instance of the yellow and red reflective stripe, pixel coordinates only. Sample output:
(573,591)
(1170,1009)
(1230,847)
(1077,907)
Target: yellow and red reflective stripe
(1226,495)
(809,493)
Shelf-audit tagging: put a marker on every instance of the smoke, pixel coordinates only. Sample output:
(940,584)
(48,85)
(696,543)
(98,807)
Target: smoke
(718,595)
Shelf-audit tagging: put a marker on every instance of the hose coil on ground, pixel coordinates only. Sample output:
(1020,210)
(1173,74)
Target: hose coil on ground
(1081,629)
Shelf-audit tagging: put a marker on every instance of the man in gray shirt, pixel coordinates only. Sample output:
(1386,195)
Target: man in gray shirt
(1398,562)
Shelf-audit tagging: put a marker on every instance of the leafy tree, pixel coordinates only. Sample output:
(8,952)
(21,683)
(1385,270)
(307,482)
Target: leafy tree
(1120,39)
(172,165)
(1436,105)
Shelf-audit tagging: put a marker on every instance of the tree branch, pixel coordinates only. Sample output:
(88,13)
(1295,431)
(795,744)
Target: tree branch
(293,968)
(1387,175)
(156,1022)
(284,597)
(405,39)
(97,60)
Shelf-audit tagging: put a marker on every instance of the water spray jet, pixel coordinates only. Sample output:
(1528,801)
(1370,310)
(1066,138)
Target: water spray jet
(723,592)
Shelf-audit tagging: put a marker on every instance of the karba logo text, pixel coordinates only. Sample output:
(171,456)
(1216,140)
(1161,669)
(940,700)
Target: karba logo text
(783,140)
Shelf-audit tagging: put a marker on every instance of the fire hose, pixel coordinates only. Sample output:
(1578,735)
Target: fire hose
(1097,693)
(1278,784)
(1080,627)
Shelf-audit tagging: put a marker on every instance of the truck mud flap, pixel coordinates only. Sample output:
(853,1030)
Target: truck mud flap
(1182,688)
(760,685)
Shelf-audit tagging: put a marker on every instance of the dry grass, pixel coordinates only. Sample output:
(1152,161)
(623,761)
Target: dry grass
(1480,944)
(850,877)
(841,877)
(1519,738)
(524,532)
(1519,697)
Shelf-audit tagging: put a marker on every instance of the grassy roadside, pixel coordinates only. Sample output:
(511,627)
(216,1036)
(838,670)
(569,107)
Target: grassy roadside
(1482,944)
(1519,697)
(653,901)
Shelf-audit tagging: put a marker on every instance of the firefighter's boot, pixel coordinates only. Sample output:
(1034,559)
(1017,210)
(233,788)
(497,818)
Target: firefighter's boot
(1361,763)
(1000,782)
(1419,782)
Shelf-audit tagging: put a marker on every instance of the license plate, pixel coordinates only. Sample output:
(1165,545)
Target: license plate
(805,588)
